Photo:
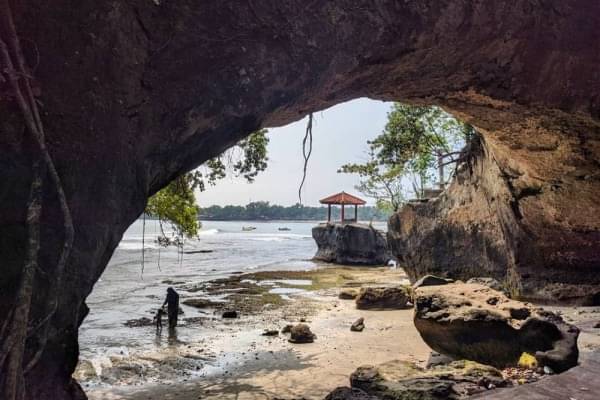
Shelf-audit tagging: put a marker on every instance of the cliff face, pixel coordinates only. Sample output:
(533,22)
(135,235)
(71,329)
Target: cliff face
(134,93)
(350,244)
(523,210)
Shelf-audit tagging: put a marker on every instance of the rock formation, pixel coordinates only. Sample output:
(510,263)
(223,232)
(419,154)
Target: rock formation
(475,322)
(393,297)
(350,244)
(135,93)
(404,380)
(510,214)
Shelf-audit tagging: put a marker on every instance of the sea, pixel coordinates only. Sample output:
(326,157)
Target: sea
(135,281)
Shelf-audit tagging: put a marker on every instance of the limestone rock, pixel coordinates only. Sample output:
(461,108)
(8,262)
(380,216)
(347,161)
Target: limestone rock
(459,320)
(395,297)
(497,220)
(405,380)
(301,333)
(350,244)
(358,325)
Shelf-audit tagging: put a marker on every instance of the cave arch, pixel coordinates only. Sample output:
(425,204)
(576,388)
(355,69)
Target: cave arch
(134,93)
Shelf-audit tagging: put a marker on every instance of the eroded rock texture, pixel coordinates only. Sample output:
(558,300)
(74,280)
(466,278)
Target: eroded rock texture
(522,211)
(135,92)
(474,322)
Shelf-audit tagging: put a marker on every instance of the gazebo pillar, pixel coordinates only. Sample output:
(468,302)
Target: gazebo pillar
(342,213)
(328,212)
(355,213)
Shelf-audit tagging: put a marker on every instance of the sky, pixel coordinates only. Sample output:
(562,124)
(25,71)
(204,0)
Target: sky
(340,135)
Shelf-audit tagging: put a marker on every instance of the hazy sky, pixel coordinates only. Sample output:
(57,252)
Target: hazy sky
(340,136)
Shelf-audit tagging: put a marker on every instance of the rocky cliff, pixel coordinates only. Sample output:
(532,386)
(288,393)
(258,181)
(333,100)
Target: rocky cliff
(135,93)
(521,212)
(350,244)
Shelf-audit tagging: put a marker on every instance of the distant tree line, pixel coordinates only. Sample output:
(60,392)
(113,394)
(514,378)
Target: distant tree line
(262,210)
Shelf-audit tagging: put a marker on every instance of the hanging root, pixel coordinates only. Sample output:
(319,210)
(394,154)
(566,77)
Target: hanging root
(308,139)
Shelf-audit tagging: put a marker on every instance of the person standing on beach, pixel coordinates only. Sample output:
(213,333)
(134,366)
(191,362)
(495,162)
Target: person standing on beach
(172,302)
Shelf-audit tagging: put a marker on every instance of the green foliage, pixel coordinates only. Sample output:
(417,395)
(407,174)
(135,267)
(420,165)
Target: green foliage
(262,210)
(412,144)
(176,203)
(246,159)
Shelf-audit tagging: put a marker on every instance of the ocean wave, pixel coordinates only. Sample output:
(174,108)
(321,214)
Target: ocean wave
(204,232)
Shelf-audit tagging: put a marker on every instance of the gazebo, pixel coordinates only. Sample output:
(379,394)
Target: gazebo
(343,199)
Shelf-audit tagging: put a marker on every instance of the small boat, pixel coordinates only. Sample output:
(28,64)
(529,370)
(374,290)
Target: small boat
(248,228)
(284,229)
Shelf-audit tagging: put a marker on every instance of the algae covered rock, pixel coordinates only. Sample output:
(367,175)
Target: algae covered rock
(462,321)
(395,297)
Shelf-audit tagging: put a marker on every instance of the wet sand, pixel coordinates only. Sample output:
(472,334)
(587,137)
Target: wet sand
(243,364)
(237,362)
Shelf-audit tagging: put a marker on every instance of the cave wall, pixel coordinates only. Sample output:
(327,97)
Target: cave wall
(135,92)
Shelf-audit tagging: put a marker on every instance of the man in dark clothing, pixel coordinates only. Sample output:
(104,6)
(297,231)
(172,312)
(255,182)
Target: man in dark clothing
(172,302)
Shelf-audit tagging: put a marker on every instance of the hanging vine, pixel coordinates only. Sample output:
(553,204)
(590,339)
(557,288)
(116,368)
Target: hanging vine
(306,152)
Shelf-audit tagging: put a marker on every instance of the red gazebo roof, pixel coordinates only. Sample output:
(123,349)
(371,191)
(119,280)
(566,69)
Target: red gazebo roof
(343,198)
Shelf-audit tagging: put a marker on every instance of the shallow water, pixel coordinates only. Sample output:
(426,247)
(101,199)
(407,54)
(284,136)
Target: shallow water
(117,354)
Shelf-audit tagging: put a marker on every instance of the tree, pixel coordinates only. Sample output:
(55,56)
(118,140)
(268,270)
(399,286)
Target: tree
(415,143)
(176,203)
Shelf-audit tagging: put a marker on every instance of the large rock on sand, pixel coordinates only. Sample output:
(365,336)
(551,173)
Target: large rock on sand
(475,322)
(404,380)
(301,333)
(395,297)
(350,244)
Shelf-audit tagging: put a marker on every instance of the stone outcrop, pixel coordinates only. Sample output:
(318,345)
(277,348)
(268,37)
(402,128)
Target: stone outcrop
(145,90)
(350,244)
(404,380)
(510,215)
(393,297)
(475,322)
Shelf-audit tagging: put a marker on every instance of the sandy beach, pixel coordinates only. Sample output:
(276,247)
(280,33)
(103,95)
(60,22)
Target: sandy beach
(243,364)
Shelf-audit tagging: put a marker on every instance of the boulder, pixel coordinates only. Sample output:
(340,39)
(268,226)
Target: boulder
(404,380)
(348,294)
(350,244)
(475,322)
(287,328)
(395,297)
(301,333)
(358,325)
(230,314)
(431,280)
